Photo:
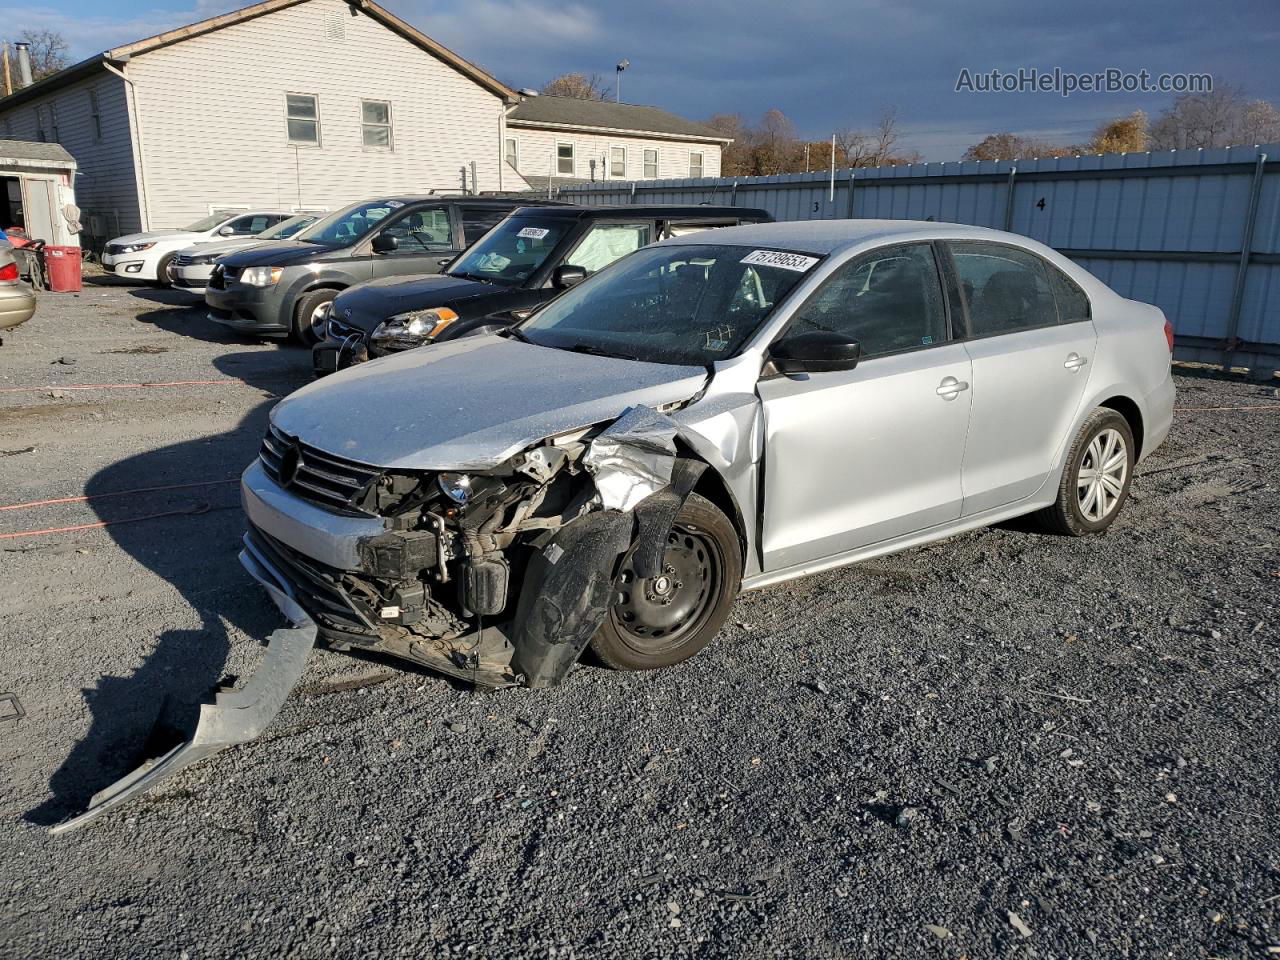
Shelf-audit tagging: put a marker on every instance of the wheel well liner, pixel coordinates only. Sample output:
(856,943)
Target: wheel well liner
(1129,410)
(712,486)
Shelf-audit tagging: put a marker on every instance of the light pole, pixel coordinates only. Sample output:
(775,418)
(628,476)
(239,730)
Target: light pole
(617,86)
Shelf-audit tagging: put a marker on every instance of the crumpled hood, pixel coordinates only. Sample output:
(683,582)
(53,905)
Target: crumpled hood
(471,404)
(367,304)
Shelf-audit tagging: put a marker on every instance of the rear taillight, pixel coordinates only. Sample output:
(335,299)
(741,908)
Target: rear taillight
(9,273)
(1168,334)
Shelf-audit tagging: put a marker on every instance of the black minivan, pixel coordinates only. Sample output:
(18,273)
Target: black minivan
(277,289)
(517,266)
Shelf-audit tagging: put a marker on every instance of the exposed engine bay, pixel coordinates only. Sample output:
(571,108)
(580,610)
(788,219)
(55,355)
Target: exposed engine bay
(497,576)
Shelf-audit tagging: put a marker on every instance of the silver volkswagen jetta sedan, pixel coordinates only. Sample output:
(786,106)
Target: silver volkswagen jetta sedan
(712,414)
(718,412)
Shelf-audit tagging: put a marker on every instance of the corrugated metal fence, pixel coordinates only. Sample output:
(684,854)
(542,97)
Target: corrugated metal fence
(1195,232)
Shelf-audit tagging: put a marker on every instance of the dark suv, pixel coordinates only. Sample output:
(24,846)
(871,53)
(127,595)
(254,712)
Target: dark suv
(523,262)
(276,289)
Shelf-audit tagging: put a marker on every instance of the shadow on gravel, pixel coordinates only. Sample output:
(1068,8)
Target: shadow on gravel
(191,541)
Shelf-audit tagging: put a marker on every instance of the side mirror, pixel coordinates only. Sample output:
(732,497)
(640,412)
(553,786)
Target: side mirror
(227,231)
(567,275)
(385,243)
(815,353)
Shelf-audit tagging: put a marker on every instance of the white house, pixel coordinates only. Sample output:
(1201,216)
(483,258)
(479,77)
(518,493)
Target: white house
(312,104)
(565,139)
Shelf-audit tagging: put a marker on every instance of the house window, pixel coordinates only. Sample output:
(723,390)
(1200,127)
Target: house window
(95,115)
(651,164)
(695,164)
(375,121)
(511,153)
(302,114)
(564,159)
(618,163)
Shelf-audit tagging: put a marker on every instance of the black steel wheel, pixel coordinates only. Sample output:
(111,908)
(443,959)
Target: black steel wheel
(663,620)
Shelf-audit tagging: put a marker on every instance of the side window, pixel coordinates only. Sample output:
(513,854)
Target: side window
(422,231)
(1073,304)
(679,229)
(248,226)
(477,221)
(887,300)
(607,242)
(1006,289)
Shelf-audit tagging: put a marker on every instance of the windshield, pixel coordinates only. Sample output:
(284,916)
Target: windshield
(682,304)
(512,251)
(345,227)
(206,223)
(285,228)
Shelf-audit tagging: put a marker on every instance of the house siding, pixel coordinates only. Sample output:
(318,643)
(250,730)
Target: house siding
(212,112)
(536,148)
(106,183)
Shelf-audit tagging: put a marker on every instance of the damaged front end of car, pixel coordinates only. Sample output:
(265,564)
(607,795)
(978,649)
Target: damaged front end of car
(496,576)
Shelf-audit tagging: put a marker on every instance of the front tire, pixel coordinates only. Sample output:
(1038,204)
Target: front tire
(1095,482)
(163,278)
(665,620)
(304,315)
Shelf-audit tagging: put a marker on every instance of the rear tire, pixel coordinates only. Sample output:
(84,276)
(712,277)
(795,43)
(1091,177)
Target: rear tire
(1095,482)
(666,619)
(304,315)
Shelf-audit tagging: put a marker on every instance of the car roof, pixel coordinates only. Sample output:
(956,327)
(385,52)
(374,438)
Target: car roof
(823,237)
(653,210)
(461,198)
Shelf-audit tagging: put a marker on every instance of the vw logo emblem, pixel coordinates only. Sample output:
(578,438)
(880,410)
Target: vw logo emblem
(347,313)
(290,460)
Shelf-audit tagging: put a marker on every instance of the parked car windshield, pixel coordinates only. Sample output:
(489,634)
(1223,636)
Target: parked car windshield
(207,223)
(688,305)
(512,251)
(285,228)
(345,227)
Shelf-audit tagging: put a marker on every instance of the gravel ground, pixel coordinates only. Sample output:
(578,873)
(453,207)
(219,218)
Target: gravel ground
(1006,744)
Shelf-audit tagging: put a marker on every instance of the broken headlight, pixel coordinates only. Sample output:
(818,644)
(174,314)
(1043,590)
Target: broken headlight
(455,486)
(406,330)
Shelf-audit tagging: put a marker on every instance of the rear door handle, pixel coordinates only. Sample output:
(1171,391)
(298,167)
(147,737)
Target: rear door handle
(950,388)
(1074,362)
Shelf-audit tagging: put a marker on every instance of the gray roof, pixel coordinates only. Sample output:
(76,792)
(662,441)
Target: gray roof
(29,150)
(822,237)
(607,115)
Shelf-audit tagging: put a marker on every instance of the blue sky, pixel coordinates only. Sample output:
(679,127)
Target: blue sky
(824,64)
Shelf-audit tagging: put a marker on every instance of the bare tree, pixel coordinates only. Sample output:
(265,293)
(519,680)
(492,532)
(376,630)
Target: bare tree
(48,51)
(576,85)
(1224,117)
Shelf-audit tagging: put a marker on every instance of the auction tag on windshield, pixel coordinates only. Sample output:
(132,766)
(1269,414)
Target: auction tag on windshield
(776,258)
(533,233)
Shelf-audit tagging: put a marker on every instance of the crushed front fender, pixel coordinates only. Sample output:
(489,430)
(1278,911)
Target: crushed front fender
(235,716)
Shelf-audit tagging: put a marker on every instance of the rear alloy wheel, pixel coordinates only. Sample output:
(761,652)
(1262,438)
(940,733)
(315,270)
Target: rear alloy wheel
(307,324)
(1095,483)
(666,619)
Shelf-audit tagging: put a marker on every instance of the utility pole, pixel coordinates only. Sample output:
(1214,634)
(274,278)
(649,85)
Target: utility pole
(617,85)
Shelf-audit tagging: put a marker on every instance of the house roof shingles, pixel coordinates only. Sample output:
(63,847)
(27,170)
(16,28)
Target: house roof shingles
(607,115)
(30,150)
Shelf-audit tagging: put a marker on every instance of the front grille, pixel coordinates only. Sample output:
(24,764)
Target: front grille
(314,475)
(341,331)
(317,587)
(187,260)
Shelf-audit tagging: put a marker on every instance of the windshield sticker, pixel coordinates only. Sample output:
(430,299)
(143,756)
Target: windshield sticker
(395,204)
(533,233)
(775,258)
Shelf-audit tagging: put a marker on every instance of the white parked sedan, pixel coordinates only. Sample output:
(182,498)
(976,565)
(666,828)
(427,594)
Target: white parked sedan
(191,268)
(147,256)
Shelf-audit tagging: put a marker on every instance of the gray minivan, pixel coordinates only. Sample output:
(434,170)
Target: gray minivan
(278,289)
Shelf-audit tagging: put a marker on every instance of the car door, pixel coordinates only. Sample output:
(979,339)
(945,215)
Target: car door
(424,237)
(865,455)
(1029,370)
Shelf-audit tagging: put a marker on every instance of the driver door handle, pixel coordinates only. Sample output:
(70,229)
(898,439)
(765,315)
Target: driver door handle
(950,388)
(1074,362)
